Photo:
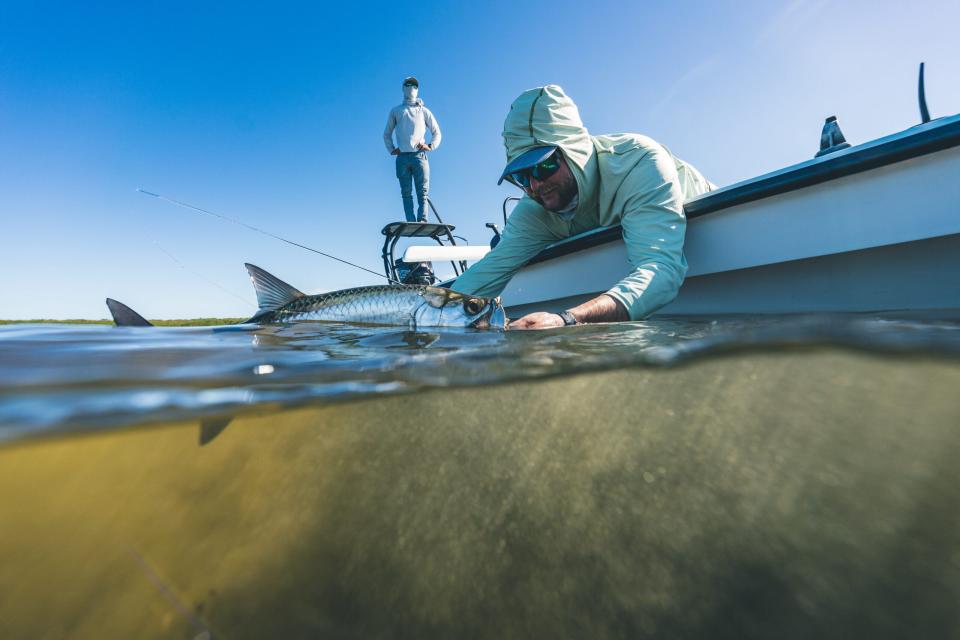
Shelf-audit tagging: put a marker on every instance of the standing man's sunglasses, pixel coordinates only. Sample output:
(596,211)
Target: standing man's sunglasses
(541,171)
(409,84)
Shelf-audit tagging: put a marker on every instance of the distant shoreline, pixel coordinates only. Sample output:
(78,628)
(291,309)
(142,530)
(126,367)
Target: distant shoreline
(189,322)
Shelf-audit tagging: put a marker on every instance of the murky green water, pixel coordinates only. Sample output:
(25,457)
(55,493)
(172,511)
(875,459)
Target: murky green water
(752,478)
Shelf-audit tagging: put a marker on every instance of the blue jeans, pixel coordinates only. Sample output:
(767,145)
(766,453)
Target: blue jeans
(414,167)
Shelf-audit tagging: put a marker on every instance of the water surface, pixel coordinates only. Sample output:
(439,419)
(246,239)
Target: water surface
(61,377)
(744,478)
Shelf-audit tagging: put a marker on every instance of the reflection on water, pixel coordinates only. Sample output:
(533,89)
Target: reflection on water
(787,492)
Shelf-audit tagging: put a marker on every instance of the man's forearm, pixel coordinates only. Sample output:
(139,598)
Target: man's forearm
(603,308)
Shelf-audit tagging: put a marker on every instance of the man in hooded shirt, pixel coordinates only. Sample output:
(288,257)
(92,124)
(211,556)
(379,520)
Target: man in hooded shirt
(574,182)
(411,120)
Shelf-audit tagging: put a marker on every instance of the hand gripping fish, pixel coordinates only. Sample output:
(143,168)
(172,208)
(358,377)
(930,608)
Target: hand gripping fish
(408,306)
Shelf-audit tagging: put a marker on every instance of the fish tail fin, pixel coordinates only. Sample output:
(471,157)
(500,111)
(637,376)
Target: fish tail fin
(124,316)
(272,292)
(211,428)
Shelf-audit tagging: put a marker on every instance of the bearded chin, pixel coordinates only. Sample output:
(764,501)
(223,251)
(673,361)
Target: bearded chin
(567,208)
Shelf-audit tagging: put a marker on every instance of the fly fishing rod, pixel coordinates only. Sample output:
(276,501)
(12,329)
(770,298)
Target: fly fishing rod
(186,205)
(200,275)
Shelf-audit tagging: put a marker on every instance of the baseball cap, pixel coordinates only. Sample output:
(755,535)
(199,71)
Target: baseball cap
(526,160)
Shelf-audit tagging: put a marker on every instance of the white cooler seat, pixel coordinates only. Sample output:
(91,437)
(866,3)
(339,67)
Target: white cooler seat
(445,254)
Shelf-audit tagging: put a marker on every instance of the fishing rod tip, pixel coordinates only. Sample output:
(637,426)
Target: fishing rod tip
(149,193)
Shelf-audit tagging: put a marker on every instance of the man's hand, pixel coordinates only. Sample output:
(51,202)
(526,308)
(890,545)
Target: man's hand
(395,152)
(424,147)
(538,320)
(603,308)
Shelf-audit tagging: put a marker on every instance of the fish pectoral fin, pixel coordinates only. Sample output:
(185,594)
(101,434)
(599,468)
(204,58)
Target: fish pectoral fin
(272,292)
(124,316)
(211,428)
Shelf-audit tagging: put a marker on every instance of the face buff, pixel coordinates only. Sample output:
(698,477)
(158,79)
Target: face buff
(410,93)
(570,210)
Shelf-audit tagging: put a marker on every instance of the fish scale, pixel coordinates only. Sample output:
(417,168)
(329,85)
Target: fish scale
(379,304)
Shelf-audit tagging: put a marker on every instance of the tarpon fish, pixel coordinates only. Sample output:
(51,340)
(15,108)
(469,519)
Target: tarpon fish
(410,306)
(399,305)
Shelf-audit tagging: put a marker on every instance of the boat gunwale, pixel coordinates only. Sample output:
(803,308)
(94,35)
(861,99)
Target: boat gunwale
(936,135)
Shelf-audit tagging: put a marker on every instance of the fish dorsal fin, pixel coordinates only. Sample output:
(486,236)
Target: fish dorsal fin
(272,292)
(124,316)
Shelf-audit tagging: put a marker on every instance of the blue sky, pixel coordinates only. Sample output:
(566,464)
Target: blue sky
(273,114)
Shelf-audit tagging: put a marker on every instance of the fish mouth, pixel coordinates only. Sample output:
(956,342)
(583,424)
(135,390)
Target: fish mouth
(495,319)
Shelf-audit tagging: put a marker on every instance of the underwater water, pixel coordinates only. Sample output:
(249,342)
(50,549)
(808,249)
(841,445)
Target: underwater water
(740,478)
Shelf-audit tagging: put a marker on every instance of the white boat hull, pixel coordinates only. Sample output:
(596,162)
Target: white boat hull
(890,278)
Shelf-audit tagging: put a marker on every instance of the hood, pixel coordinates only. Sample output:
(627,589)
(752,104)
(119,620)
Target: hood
(547,116)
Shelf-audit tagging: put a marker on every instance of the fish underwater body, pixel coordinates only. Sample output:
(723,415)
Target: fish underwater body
(410,306)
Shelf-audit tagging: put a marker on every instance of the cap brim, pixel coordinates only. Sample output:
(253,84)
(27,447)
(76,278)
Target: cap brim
(526,160)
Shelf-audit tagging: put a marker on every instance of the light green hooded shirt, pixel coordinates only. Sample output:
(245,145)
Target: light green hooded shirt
(626,179)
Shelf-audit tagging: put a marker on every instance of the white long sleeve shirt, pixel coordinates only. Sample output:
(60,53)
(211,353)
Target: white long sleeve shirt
(411,120)
(624,179)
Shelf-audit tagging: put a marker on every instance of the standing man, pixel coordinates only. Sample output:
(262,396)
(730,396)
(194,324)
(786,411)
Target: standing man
(411,120)
(573,182)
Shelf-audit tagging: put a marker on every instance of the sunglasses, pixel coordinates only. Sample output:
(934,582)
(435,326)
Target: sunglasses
(409,84)
(541,171)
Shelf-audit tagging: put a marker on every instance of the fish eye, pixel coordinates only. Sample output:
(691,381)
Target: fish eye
(473,306)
